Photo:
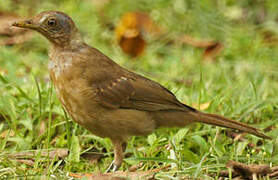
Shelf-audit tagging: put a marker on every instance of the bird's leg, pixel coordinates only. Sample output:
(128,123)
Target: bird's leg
(119,147)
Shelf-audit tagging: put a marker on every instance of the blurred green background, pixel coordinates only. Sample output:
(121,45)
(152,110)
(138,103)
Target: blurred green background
(240,82)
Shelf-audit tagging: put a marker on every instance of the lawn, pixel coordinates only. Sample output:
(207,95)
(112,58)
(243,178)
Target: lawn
(240,82)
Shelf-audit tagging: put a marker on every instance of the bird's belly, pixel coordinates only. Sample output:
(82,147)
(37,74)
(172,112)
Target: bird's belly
(70,103)
(78,102)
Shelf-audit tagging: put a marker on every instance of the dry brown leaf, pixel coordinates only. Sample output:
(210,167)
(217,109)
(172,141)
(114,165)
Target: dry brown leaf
(6,20)
(6,133)
(135,167)
(133,46)
(212,51)
(274,172)
(245,172)
(196,43)
(120,175)
(12,35)
(248,171)
(28,162)
(16,39)
(269,128)
(61,153)
(42,127)
(130,32)
(202,106)
(93,157)
(212,48)
(236,136)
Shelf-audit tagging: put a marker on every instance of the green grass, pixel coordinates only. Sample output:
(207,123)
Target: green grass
(241,84)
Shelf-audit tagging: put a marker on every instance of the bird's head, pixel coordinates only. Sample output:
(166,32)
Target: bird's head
(56,26)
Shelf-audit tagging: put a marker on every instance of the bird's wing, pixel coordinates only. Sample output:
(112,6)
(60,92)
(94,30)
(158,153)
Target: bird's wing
(115,92)
(133,91)
(117,87)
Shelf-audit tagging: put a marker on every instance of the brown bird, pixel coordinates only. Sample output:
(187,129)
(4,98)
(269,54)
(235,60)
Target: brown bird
(107,99)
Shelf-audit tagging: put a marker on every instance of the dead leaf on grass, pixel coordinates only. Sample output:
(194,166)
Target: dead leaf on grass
(42,128)
(270,128)
(28,162)
(92,157)
(6,133)
(135,167)
(130,32)
(120,175)
(248,171)
(61,153)
(251,171)
(11,35)
(213,51)
(240,136)
(212,48)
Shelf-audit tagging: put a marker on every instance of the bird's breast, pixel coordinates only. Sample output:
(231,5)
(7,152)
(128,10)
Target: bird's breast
(72,89)
(60,67)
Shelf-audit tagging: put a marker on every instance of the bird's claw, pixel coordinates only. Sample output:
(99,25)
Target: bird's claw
(112,168)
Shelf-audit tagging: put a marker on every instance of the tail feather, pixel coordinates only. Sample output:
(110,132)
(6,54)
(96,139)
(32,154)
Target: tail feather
(217,120)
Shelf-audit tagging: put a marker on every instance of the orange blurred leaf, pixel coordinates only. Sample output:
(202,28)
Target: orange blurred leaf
(212,51)
(130,32)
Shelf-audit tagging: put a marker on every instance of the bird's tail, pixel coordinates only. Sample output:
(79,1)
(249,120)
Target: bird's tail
(217,120)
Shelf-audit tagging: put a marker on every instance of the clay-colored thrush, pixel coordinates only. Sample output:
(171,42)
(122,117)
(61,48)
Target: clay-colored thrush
(107,99)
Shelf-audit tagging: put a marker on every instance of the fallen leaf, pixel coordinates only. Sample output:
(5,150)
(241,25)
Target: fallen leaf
(269,128)
(274,172)
(248,171)
(131,30)
(28,162)
(61,153)
(42,128)
(133,46)
(212,51)
(16,39)
(201,107)
(212,48)
(135,167)
(236,136)
(120,175)
(6,133)
(240,136)
(243,171)
(11,35)
(92,157)
(194,42)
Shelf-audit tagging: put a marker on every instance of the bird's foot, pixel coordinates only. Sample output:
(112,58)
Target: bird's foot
(112,167)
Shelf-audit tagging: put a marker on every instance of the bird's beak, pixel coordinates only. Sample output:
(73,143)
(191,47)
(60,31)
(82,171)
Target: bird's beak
(25,24)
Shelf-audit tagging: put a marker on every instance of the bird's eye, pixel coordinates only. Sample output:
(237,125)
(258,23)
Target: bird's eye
(51,22)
